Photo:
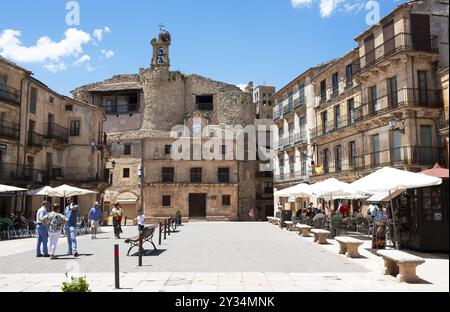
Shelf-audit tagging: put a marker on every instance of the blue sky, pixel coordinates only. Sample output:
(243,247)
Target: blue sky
(235,41)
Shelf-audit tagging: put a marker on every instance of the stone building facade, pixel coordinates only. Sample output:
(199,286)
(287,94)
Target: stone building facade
(46,139)
(381,104)
(142,111)
(262,99)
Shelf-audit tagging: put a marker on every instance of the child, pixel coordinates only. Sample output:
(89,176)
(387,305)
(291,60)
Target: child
(141,220)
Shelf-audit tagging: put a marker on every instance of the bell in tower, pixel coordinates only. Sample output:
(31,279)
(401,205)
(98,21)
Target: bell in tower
(161,49)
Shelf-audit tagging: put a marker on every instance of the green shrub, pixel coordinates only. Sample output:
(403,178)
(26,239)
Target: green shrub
(77,284)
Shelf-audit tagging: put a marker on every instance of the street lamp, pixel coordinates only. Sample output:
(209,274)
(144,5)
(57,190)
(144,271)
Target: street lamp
(393,124)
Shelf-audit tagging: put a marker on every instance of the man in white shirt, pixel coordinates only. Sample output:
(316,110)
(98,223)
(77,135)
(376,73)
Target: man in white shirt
(141,221)
(42,230)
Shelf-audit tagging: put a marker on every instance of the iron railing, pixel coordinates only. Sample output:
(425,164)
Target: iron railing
(35,139)
(403,42)
(13,173)
(56,132)
(112,109)
(9,130)
(393,157)
(290,176)
(333,125)
(9,94)
(405,97)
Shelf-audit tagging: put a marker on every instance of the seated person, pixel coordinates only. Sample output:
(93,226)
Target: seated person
(337,217)
(319,216)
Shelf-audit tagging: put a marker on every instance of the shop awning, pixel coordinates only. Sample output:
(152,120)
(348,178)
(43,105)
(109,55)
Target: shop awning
(383,196)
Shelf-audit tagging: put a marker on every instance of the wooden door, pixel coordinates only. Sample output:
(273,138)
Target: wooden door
(197,205)
(420,31)
(369,45)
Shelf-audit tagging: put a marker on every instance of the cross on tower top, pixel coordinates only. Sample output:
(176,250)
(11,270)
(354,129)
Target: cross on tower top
(162,27)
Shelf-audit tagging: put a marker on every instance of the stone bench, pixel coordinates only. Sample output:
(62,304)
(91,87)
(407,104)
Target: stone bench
(320,236)
(271,220)
(289,225)
(401,264)
(349,246)
(303,230)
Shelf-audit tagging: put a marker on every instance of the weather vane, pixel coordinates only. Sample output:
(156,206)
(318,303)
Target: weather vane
(162,27)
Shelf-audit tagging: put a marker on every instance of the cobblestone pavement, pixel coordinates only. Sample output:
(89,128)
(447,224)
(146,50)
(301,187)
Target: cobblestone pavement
(213,257)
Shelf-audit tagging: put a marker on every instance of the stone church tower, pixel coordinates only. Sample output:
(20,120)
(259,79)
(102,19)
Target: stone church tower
(161,50)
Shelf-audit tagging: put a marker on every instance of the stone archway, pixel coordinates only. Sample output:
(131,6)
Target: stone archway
(129,202)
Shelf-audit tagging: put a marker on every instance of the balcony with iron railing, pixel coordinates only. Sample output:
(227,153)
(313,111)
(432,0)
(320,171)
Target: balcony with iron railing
(9,130)
(74,174)
(35,139)
(405,97)
(120,109)
(9,94)
(14,173)
(288,108)
(393,157)
(331,126)
(290,176)
(277,113)
(403,42)
(56,132)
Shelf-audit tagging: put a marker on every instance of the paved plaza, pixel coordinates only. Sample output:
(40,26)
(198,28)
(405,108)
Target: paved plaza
(213,257)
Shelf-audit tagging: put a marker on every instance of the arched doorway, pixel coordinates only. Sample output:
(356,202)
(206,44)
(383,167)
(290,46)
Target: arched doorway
(129,202)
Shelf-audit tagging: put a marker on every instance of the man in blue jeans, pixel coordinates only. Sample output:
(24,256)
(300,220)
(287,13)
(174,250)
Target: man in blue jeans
(42,231)
(70,228)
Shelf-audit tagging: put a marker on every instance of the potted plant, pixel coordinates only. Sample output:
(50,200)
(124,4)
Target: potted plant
(76,284)
(178,216)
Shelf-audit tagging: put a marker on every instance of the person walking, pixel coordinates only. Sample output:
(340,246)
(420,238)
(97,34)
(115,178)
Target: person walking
(115,214)
(95,215)
(42,230)
(251,214)
(120,218)
(55,223)
(141,221)
(71,213)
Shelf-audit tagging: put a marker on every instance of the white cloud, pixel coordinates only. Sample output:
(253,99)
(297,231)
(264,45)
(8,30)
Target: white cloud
(327,7)
(55,67)
(89,68)
(98,33)
(45,49)
(85,58)
(107,53)
(299,3)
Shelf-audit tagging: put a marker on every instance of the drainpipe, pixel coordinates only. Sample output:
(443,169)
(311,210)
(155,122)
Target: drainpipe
(142,175)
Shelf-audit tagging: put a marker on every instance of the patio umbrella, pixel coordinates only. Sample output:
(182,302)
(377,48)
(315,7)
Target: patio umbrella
(299,190)
(437,171)
(7,188)
(390,180)
(69,191)
(335,189)
(43,191)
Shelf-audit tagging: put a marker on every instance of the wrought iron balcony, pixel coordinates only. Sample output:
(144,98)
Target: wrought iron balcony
(290,176)
(403,42)
(287,109)
(73,174)
(35,139)
(405,97)
(10,173)
(9,94)
(9,130)
(393,157)
(120,109)
(56,132)
(331,126)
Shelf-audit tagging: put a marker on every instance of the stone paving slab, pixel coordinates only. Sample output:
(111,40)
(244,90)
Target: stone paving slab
(297,265)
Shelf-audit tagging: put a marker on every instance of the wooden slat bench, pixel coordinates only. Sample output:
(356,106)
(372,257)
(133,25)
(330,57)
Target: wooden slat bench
(349,246)
(289,225)
(303,230)
(147,236)
(401,264)
(320,236)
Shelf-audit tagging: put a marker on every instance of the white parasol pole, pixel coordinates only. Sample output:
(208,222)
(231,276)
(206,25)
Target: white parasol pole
(393,221)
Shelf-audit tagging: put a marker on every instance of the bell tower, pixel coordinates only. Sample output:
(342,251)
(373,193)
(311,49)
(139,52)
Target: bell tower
(161,49)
